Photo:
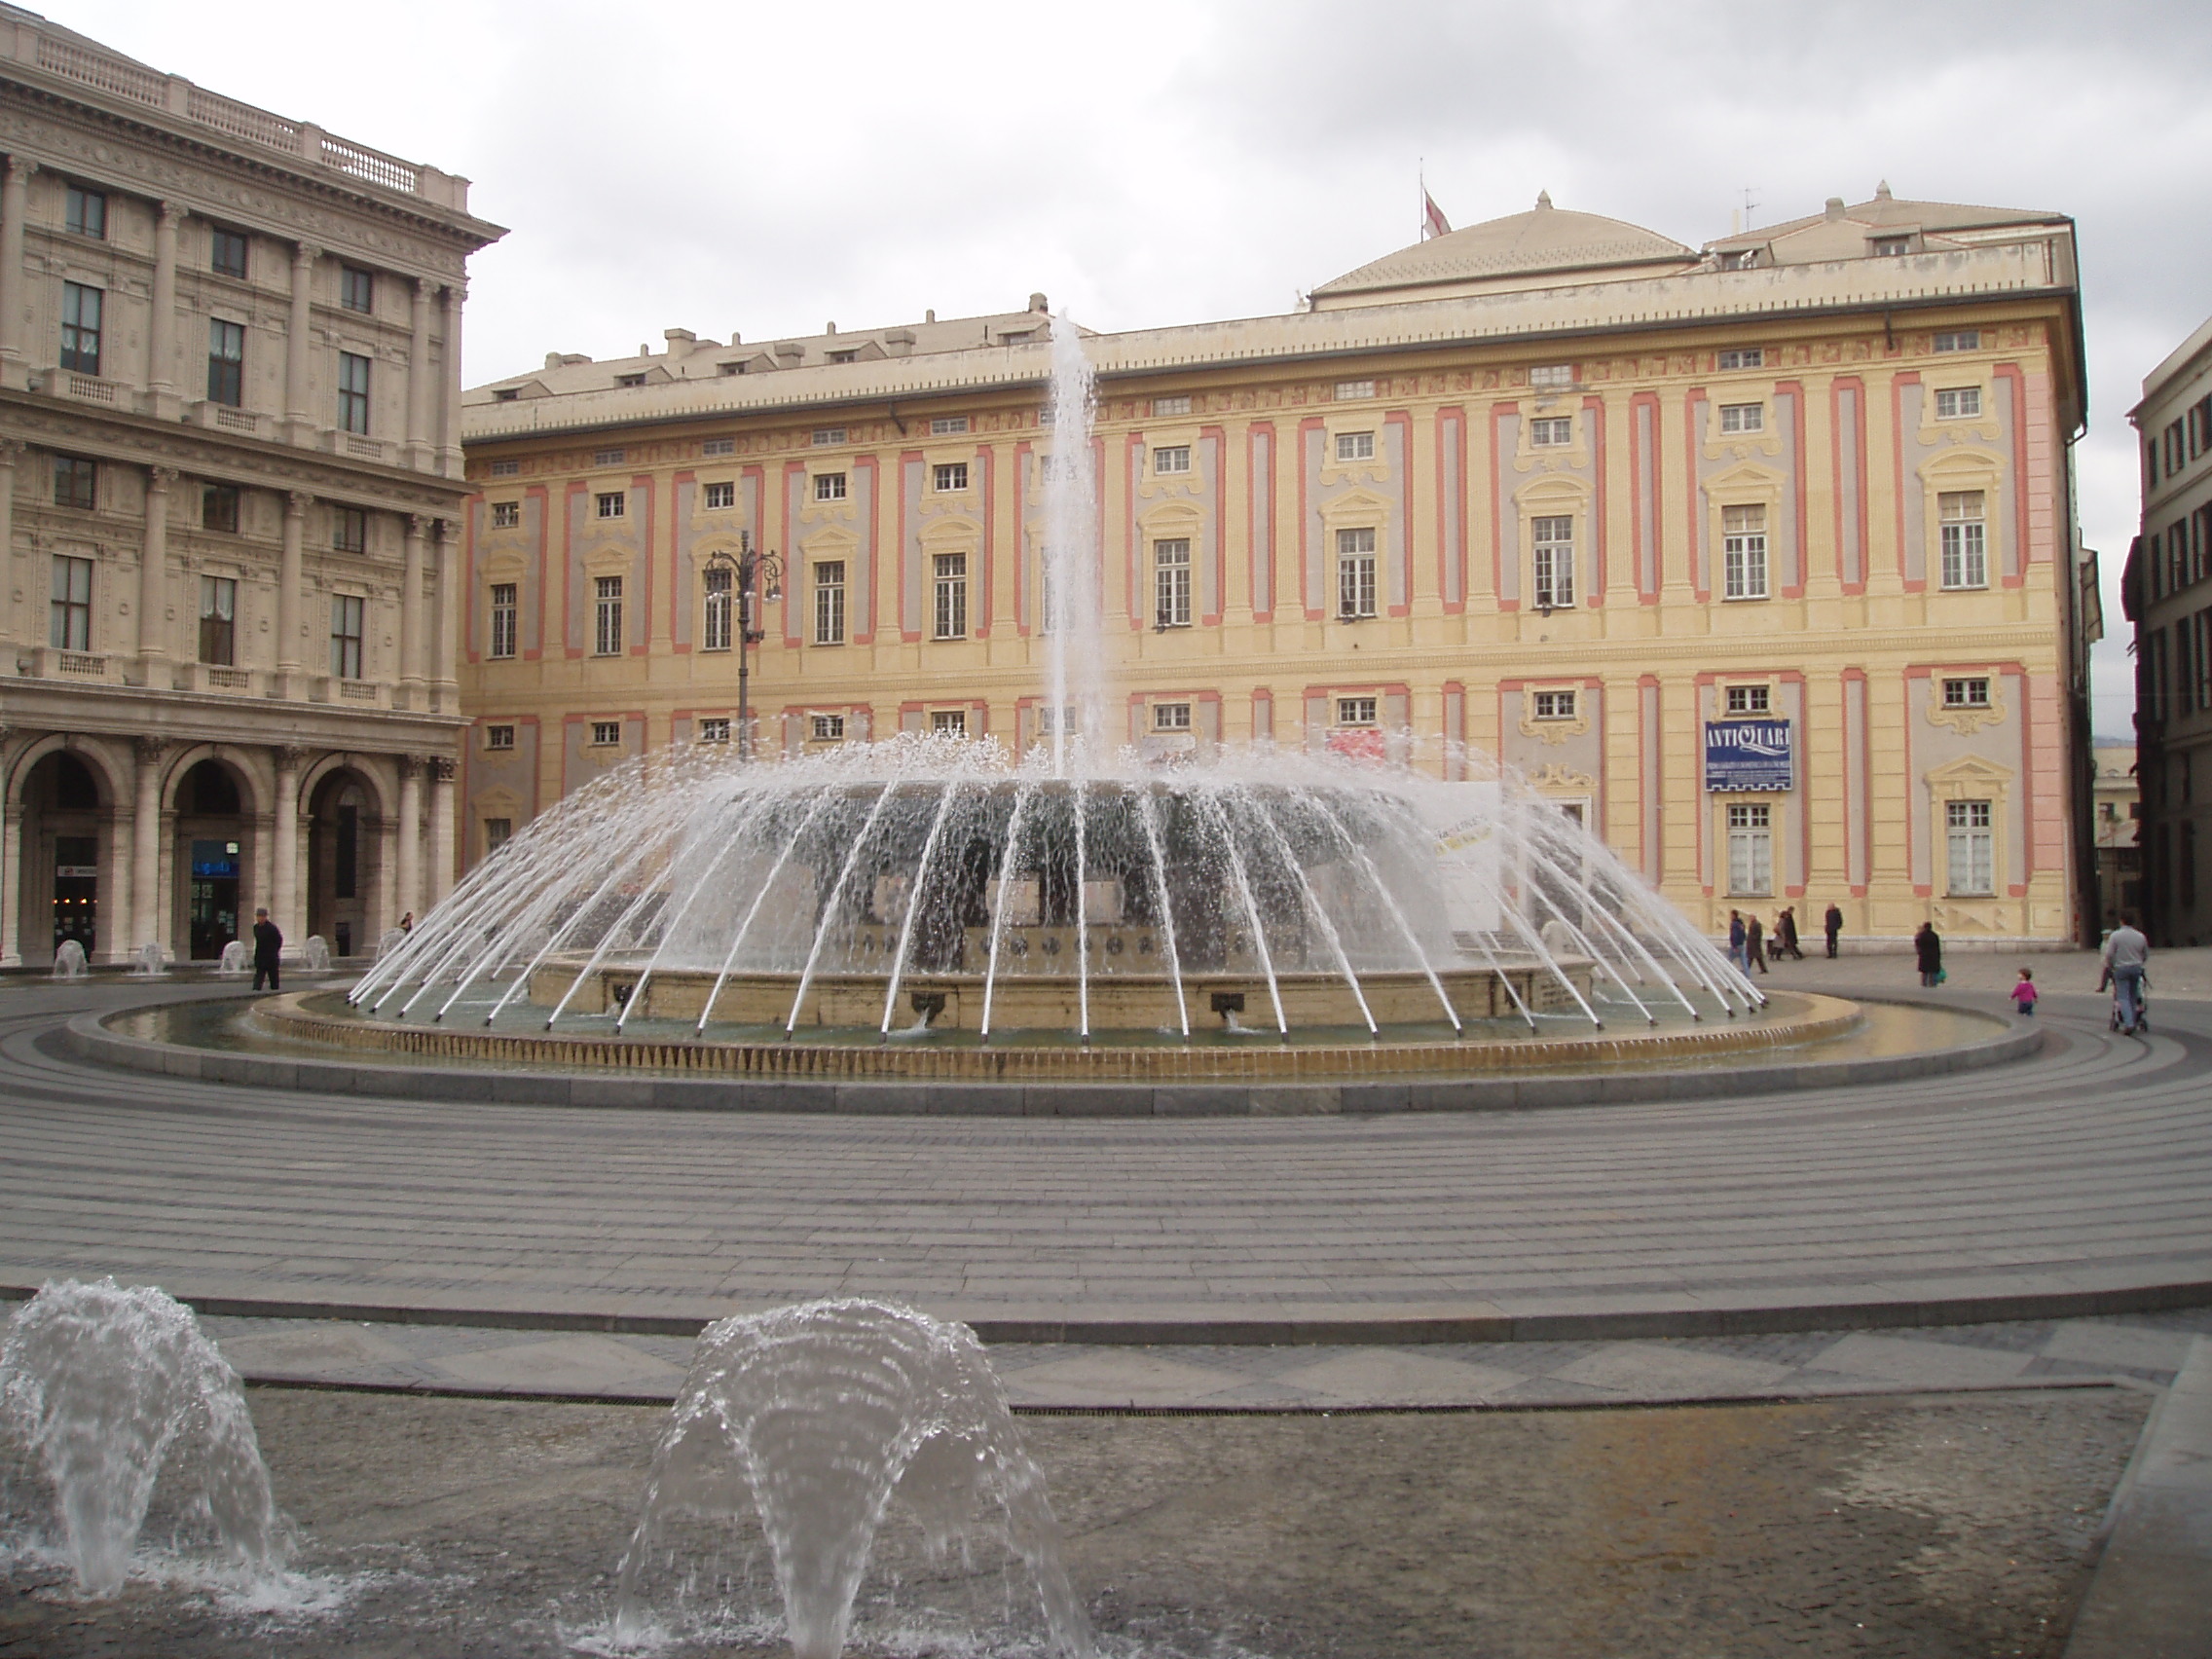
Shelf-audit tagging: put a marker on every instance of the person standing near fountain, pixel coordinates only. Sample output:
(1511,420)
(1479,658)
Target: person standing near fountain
(268,950)
(1928,946)
(1833,922)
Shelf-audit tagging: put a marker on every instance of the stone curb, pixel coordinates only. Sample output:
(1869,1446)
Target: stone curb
(88,1038)
(1196,1327)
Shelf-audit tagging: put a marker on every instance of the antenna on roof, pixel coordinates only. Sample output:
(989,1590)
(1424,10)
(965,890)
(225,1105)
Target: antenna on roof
(1750,205)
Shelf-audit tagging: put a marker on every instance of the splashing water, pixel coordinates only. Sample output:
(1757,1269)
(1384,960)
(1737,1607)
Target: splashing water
(816,1415)
(1074,673)
(69,960)
(106,1388)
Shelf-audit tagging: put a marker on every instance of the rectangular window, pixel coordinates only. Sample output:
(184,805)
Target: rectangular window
(611,503)
(610,457)
(1742,357)
(1966,694)
(715,729)
(829,486)
(84,212)
(1355,710)
(348,529)
(714,584)
(356,288)
(829,602)
(76,482)
(606,734)
(951,475)
(951,595)
(1958,340)
(829,436)
(2173,449)
(1171,717)
(1555,705)
(1171,583)
(226,252)
(719,446)
(1355,573)
(719,495)
(849,357)
(1174,457)
(953,722)
(1749,699)
(503,608)
(506,515)
(947,426)
(346,618)
(1973,848)
(352,392)
(1742,417)
(1348,391)
(1751,851)
(1743,551)
(506,469)
(219,620)
(1553,540)
(829,728)
(1554,431)
(1163,406)
(499,737)
(80,329)
(69,625)
(1355,446)
(219,508)
(1552,375)
(497,832)
(226,362)
(607,626)
(1889,248)
(1964,540)
(1958,402)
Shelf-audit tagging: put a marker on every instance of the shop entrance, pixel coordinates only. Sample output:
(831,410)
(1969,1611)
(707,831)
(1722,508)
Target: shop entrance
(66,831)
(76,891)
(215,913)
(211,834)
(344,835)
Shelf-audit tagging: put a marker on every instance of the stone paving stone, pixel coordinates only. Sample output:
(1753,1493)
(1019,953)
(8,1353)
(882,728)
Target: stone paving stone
(581,1364)
(2101,1344)
(1647,1370)
(310,1348)
(1392,1377)
(1107,1377)
(1934,1364)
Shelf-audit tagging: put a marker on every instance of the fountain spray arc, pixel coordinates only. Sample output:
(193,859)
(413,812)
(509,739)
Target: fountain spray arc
(1074,670)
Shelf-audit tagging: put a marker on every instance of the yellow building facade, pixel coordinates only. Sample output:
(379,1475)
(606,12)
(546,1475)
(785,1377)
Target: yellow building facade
(1760,558)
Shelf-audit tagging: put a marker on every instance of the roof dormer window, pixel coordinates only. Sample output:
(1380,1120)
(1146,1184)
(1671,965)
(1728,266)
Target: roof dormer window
(629,379)
(507,393)
(852,355)
(1738,259)
(1889,247)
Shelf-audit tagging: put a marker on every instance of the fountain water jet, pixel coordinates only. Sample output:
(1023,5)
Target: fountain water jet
(814,1416)
(108,1389)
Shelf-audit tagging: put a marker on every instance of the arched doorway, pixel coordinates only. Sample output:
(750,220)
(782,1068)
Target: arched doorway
(212,832)
(67,840)
(345,837)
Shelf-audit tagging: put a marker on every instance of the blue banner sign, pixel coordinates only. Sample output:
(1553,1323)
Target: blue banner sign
(1748,755)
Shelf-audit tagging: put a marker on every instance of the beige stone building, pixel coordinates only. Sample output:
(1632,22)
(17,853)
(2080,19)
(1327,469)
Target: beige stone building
(2169,592)
(230,468)
(1759,557)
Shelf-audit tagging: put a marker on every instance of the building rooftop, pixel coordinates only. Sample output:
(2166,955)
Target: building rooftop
(1544,242)
(1883,227)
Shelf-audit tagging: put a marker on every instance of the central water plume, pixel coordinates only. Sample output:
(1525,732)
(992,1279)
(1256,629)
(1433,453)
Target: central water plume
(1069,611)
(815,1417)
(107,1387)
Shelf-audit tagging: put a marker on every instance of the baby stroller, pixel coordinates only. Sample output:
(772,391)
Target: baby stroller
(2142,1005)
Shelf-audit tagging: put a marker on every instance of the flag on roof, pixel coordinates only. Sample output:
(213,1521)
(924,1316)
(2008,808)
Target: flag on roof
(1433,221)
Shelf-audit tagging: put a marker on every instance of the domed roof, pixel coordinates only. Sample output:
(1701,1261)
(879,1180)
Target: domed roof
(1543,240)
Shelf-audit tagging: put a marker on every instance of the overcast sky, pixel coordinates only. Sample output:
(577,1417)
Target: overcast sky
(767,168)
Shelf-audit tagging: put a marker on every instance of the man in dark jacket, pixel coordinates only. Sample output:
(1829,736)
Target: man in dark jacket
(1834,925)
(268,947)
(1754,944)
(1928,946)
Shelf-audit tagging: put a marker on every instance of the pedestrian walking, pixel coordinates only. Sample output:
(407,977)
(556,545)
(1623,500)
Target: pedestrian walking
(1754,945)
(2024,993)
(1928,946)
(2126,959)
(407,922)
(1786,934)
(1736,942)
(1834,925)
(268,950)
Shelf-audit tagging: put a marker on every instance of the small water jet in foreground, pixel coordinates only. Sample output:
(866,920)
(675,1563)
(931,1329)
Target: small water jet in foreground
(108,1389)
(815,1415)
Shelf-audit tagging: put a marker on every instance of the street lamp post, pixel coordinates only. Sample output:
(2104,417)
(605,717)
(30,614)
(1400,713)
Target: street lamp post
(749,570)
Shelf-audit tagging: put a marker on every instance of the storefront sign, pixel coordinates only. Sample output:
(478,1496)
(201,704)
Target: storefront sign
(1748,755)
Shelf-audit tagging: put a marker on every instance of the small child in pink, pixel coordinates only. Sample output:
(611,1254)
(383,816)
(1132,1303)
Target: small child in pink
(2024,993)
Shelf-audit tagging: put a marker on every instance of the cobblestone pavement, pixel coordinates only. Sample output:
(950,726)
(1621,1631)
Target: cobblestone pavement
(2080,1173)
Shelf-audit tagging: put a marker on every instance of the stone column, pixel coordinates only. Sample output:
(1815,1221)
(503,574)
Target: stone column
(420,449)
(449,445)
(411,614)
(153,577)
(299,345)
(291,675)
(442,770)
(446,637)
(15,204)
(161,327)
(410,861)
(285,837)
(13,626)
(11,868)
(146,842)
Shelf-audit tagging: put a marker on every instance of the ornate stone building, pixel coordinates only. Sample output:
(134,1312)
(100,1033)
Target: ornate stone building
(2169,592)
(230,468)
(1760,557)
